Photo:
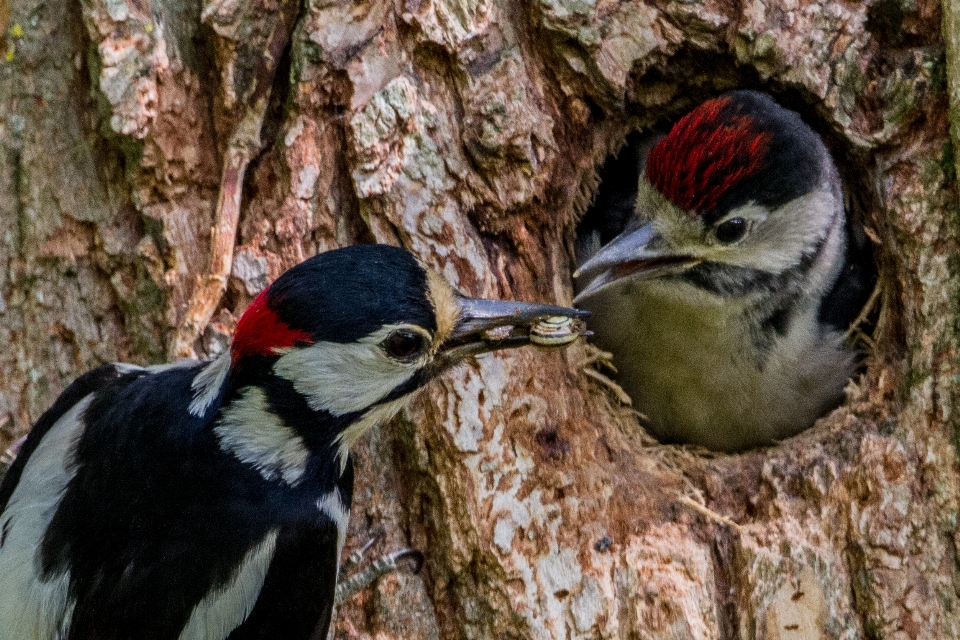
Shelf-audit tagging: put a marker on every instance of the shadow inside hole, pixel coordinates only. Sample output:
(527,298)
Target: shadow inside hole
(613,205)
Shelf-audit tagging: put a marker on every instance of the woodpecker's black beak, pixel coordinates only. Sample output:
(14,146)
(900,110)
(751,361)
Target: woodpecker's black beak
(489,325)
(634,253)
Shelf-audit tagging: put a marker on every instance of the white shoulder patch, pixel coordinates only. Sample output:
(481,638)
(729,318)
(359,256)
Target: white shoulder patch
(29,607)
(223,610)
(331,505)
(207,384)
(257,436)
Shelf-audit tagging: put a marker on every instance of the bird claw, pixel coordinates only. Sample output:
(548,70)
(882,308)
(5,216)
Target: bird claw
(389,563)
(356,557)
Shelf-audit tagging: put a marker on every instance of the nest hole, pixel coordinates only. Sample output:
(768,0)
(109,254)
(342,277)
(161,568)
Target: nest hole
(876,332)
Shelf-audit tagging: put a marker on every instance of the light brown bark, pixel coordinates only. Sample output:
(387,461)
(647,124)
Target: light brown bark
(469,131)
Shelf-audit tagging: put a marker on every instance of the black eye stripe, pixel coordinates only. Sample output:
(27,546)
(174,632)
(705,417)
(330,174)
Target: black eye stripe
(404,344)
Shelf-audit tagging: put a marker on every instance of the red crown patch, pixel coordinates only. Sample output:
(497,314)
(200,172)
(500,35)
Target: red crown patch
(260,331)
(709,151)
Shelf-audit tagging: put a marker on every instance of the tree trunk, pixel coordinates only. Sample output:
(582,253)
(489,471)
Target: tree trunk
(163,161)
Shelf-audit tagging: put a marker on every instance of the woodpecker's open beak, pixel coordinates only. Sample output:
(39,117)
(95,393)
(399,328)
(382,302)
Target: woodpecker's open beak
(638,253)
(489,325)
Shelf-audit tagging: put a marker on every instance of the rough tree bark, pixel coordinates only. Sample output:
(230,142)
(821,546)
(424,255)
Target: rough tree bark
(469,131)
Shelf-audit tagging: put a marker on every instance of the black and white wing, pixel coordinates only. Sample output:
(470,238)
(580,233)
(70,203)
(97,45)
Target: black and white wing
(30,606)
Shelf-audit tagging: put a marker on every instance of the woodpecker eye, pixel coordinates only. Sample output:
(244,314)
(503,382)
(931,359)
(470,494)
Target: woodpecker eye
(404,344)
(732,230)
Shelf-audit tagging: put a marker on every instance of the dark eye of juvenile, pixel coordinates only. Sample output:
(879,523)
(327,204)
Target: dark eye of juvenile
(404,344)
(731,230)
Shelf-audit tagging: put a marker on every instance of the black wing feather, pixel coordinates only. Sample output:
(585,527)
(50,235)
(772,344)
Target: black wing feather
(296,601)
(156,515)
(77,390)
(297,594)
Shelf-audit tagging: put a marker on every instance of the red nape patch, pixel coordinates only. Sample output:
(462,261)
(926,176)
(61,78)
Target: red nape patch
(710,150)
(261,331)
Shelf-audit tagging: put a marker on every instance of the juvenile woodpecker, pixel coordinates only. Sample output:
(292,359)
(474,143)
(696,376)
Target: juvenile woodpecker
(726,298)
(203,501)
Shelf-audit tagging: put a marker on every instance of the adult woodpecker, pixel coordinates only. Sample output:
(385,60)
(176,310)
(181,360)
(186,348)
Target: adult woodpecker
(204,501)
(726,298)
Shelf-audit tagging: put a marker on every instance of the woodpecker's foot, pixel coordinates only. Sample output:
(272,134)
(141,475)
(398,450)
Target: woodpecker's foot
(356,557)
(352,585)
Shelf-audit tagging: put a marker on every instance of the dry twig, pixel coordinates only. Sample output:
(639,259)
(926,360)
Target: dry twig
(244,144)
(709,513)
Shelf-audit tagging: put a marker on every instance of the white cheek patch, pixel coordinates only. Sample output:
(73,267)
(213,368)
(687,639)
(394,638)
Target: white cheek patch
(257,436)
(29,607)
(779,242)
(331,505)
(344,378)
(223,610)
